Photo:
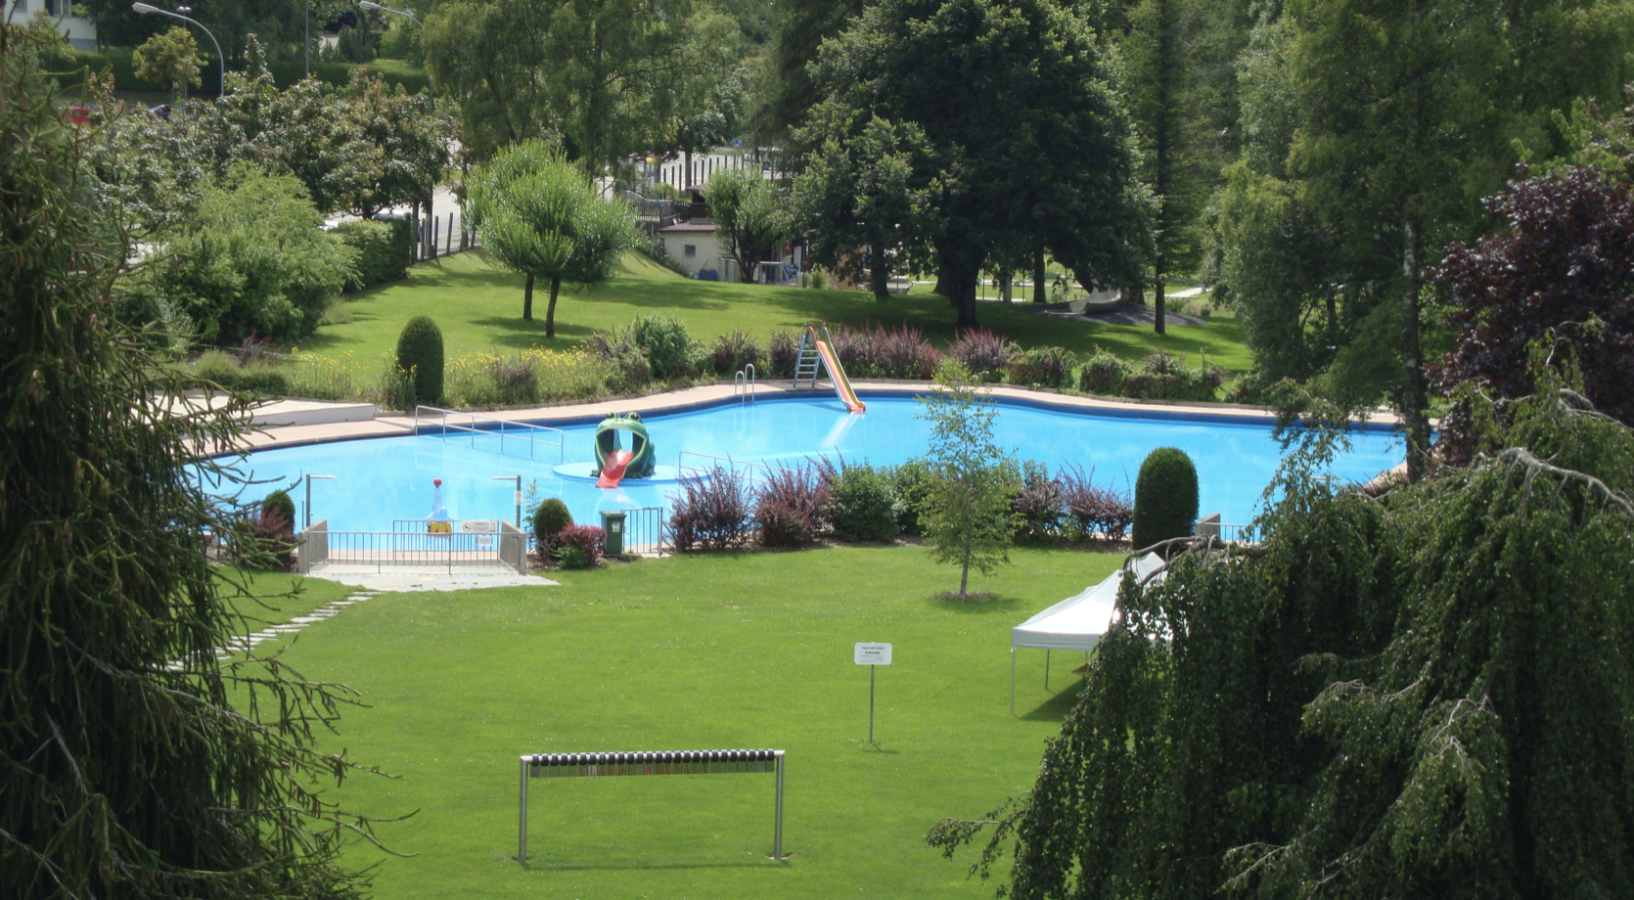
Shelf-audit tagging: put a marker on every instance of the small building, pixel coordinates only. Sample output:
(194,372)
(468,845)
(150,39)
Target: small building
(696,246)
(80,31)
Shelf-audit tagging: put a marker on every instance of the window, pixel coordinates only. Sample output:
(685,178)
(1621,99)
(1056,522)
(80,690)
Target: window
(689,250)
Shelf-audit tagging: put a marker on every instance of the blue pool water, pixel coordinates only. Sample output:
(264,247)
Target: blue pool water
(382,479)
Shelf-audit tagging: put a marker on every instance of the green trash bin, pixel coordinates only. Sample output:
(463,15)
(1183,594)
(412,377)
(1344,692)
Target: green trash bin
(613,524)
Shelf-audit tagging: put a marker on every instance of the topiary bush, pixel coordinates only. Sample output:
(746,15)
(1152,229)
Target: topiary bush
(549,518)
(862,506)
(420,352)
(280,501)
(1165,498)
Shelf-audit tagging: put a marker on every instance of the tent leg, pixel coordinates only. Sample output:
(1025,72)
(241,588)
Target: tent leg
(1046,670)
(1012,681)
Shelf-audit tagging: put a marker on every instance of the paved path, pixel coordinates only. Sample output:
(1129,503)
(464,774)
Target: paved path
(710,394)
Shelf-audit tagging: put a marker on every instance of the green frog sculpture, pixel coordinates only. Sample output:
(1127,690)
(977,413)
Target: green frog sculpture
(615,462)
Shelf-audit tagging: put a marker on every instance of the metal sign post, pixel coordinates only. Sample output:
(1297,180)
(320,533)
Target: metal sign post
(517,497)
(871,655)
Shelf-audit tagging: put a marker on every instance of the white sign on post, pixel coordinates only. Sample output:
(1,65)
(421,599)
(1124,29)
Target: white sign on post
(871,654)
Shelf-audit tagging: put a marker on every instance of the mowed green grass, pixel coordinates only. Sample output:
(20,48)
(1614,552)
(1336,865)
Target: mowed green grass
(695,652)
(478,305)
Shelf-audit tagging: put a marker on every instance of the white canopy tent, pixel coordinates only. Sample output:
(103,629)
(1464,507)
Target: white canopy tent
(1077,622)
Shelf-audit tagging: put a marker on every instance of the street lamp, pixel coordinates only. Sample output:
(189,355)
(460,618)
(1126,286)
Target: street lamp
(372,6)
(309,495)
(221,58)
(518,495)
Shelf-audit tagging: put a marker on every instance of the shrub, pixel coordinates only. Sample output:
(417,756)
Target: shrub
(910,485)
(862,505)
(712,512)
(1044,366)
(1103,374)
(1092,509)
(985,354)
(904,353)
(855,350)
(261,377)
(1165,498)
(251,260)
(818,279)
(629,370)
(1039,503)
(665,343)
(271,539)
(735,351)
(549,518)
(280,501)
(580,546)
(420,353)
(791,508)
(383,251)
(1164,377)
(781,352)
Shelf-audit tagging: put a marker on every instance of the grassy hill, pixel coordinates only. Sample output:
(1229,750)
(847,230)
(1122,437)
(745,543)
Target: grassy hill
(479,307)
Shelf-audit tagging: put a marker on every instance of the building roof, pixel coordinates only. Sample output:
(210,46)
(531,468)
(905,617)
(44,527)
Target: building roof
(696,226)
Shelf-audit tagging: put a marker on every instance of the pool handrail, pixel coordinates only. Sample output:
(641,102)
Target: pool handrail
(560,443)
(683,468)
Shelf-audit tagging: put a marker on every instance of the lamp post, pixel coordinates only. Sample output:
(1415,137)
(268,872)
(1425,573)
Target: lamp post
(309,495)
(518,495)
(221,58)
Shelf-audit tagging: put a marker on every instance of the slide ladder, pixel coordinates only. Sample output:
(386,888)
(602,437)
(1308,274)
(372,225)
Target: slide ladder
(818,350)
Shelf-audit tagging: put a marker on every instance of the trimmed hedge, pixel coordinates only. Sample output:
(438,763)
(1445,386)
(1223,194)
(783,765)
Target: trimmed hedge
(1165,498)
(383,251)
(420,351)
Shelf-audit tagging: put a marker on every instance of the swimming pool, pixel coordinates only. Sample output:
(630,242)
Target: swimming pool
(379,480)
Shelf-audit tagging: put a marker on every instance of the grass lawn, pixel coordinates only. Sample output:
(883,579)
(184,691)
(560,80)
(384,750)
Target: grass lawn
(695,652)
(479,307)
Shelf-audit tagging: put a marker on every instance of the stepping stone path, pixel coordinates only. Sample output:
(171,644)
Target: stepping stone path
(243,643)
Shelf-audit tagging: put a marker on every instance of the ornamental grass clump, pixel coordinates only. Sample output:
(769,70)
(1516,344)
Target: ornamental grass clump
(984,354)
(1095,512)
(781,353)
(792,506)
(1039,504)
(712,512)
(735,351)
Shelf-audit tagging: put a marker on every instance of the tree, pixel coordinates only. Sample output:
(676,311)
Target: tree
(1155,50)
(1027,145)
(967,513)
(750,211)
(867,191)
(541,217)
(251,261)
(1562,268)
(133,762)
(802,26)
(607,79)
(1388,121)
(412,141)
(1366,704)
(170,58)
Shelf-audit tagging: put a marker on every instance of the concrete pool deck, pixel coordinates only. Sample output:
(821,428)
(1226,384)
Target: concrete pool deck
(713,394)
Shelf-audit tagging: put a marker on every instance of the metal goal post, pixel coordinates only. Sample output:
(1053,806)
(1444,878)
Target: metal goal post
(650,762)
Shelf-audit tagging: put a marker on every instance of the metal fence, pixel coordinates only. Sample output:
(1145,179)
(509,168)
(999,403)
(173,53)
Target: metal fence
(382,549)
(693,464)
(645,531)
(1230,532)
(516,439)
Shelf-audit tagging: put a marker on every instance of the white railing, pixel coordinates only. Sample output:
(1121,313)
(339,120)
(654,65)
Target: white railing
(381,549)
(1229,532)
(743,384)
(532,442)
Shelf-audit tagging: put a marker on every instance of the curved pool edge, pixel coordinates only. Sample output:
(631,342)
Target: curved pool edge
(721,394)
